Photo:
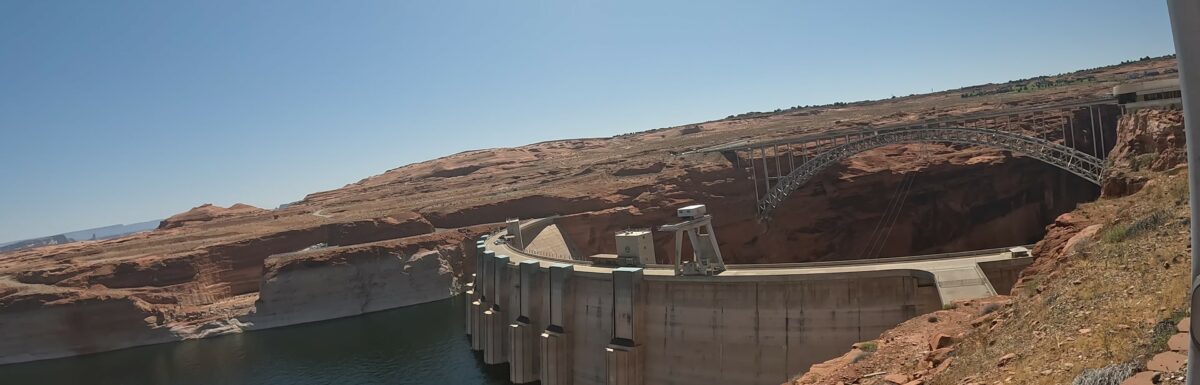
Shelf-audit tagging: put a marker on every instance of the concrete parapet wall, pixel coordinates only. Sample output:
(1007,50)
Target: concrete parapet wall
(717,331)
(1003,274)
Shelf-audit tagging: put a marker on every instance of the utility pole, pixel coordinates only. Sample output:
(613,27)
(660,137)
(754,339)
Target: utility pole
(1185,25)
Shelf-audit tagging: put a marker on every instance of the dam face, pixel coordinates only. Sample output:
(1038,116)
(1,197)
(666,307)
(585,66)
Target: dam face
(764,332)
(569,322)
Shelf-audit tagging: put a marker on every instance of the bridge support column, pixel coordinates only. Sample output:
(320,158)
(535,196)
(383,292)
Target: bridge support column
(496,349)
(523,354)
(624,352)
(557,358)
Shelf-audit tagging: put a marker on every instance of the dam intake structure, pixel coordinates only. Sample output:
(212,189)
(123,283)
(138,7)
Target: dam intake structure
(562,320)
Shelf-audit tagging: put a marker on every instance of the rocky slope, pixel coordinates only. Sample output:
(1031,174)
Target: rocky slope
(399,237)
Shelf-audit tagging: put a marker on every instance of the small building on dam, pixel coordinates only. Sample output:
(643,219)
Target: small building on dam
(608,319)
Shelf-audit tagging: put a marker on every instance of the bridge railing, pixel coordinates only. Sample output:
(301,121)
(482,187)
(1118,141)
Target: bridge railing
(871,261)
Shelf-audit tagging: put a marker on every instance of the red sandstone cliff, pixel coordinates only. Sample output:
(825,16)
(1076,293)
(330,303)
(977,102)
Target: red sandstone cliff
(208,212)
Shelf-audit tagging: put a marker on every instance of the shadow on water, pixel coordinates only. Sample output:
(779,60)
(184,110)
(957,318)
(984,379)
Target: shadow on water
(421,344)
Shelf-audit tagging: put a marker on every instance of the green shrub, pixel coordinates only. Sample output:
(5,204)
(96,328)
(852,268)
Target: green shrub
(1120,232)
(1115,233)
(1143,160)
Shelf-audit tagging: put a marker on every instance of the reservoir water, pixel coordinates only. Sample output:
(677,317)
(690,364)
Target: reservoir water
(421,344)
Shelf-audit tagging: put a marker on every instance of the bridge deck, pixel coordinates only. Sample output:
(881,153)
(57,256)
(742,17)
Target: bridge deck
(745,144)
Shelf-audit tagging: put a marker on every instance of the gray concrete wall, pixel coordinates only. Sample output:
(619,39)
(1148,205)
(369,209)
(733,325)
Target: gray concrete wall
(593,327)
(1003,274)
(731,331)
(766,332)
(758,326)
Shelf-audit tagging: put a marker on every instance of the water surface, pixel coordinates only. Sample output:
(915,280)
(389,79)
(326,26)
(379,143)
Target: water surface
(422,344)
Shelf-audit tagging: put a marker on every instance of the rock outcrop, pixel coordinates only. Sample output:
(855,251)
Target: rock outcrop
(207,212)
(334,282)
(42,323)
(1151,140)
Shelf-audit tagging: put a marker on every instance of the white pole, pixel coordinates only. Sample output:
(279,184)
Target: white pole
(1185,24)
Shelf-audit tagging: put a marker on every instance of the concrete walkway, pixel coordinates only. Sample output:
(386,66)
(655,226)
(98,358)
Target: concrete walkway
(958,276)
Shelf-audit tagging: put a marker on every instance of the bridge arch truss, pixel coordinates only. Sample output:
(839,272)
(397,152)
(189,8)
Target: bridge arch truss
(1074,161)
(1033,131)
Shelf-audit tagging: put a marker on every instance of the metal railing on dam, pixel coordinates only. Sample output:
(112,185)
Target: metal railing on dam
(574,322)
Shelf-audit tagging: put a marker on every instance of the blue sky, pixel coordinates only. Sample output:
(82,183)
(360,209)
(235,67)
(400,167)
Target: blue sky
(124,111)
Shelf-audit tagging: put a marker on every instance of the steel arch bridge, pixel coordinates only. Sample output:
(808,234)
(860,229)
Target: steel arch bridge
(1071,160)
(1026,131)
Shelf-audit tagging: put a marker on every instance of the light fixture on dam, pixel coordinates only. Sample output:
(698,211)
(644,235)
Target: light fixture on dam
(706,256)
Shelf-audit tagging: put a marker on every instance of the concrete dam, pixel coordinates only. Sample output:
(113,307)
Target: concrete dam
(559,319)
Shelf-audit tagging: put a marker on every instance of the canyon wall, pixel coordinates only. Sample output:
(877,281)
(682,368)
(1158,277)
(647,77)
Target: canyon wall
(282,278)
(959,199)
(338,282)
(52,323)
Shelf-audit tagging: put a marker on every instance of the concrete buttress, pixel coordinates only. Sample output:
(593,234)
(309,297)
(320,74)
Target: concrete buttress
(496,344)
(557,359)
(523,347)
(623,356)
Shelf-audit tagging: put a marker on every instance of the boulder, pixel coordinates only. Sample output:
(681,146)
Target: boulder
(939,341)
(1143,378)
(1167,362)
(1179,342)
(939,355)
